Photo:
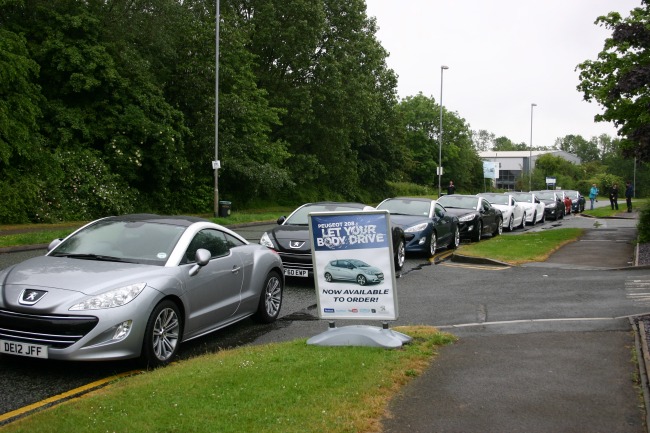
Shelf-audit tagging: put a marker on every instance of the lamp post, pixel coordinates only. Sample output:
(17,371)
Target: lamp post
(530,157)
(442,69)
(216,163)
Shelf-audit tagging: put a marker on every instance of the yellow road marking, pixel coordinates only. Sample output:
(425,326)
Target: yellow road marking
(63,396)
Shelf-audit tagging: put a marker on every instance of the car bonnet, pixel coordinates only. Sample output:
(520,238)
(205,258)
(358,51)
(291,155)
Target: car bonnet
(75,278)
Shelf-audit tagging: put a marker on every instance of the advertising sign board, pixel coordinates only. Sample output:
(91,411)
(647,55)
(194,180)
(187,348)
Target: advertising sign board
(353,265)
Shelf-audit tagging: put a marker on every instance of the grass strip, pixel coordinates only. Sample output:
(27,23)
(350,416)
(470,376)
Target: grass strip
(281,387)
(523,248)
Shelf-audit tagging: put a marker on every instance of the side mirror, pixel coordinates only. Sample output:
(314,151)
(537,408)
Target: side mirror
(53,244)
(281,220)
(202,257)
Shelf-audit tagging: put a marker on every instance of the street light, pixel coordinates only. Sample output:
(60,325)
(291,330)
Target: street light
(442,68)
(216,164)
(530,157)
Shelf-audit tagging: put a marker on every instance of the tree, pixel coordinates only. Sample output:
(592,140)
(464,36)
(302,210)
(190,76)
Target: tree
(585,150)
(619,79)
(483,140)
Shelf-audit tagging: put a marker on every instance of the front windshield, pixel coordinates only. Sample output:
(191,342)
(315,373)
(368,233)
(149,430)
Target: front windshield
(406,207)
(546,195)
(300,217)
(459,201)
(134,241)
(524,197)
(498,199)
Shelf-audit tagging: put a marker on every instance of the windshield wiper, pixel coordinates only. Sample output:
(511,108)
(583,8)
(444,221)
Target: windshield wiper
(99,257)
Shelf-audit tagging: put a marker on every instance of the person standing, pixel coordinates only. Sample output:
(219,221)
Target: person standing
(593,193)
(451,189)
(629,192)
(613,196)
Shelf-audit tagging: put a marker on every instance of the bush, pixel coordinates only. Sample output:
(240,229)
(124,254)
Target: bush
(644,225)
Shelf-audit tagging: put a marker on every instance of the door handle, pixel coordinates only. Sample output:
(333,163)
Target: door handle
(235,269)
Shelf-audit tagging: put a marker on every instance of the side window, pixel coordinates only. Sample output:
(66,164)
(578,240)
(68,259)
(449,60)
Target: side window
(439,212)
(486,206)
(218,243)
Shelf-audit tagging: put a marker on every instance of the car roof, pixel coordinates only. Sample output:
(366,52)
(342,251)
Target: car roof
(178,220)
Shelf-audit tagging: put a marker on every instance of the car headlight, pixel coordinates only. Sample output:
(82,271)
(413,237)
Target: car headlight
(416,228)
(466,218)
(266,241)
(111,299)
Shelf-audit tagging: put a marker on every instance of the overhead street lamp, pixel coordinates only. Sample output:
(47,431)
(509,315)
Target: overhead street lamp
(216,164)
(442,69)
(530,157)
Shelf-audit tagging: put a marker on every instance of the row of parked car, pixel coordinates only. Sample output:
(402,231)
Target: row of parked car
(423,226)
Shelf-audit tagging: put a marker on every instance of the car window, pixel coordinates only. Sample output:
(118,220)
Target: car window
(486,206)
(215,241)
(440,211)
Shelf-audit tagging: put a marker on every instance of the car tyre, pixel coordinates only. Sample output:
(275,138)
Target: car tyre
(543,220)
(328,277)
(523,221)
(511,223)
(361,280)
(162,334)
(270,303)
(455,242)
(499,228)
(534,219)
(400,257)
(433,244)
(479,232)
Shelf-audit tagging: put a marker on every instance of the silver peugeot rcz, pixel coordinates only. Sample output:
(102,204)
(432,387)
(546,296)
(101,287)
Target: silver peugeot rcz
(135,286)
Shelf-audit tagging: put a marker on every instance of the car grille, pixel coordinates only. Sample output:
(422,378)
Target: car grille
(297,261)
(58,332)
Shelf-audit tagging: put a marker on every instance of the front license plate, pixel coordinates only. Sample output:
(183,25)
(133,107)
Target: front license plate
(23,349)
(296,273)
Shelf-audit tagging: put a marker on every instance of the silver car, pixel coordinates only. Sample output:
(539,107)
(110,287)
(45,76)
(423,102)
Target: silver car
(352,270)
(135,286)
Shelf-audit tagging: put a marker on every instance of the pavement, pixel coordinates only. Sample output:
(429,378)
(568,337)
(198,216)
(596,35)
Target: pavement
(580,379)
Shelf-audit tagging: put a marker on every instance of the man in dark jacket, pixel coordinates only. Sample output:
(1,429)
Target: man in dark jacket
(629,192)
(613,196)
(451,189)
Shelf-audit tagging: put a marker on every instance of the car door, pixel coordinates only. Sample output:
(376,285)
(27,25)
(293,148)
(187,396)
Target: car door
(488,215)
(214,293)
(442,221)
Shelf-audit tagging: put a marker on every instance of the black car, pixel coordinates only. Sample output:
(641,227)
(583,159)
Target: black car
(476,216)
(553,203)
(426,223)
(291,237)
(577,201)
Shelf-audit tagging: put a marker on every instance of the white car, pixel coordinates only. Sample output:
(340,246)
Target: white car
(534,206)
(514,215)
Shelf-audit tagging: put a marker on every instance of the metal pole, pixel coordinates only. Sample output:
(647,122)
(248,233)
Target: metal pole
(530,156)
(442,68)
(216,113)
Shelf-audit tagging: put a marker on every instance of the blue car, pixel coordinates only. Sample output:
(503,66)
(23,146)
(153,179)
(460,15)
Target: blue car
(426,223)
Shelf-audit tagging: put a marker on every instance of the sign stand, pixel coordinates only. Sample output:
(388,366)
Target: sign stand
(354,277)
(360,335)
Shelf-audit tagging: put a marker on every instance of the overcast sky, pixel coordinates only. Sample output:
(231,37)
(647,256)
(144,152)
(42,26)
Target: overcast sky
(502,55)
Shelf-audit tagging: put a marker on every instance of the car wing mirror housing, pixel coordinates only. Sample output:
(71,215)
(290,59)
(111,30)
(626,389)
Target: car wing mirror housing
(281,220)
(202,258)
(54,244)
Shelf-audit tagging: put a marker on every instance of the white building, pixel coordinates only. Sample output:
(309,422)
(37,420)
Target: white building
(514,164)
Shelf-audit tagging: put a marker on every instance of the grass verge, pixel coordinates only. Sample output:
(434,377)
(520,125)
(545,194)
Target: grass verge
(281,387)
(33,234)
(523,248)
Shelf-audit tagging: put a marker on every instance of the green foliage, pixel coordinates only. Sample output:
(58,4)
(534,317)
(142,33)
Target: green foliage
(644,225)
(618,78)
